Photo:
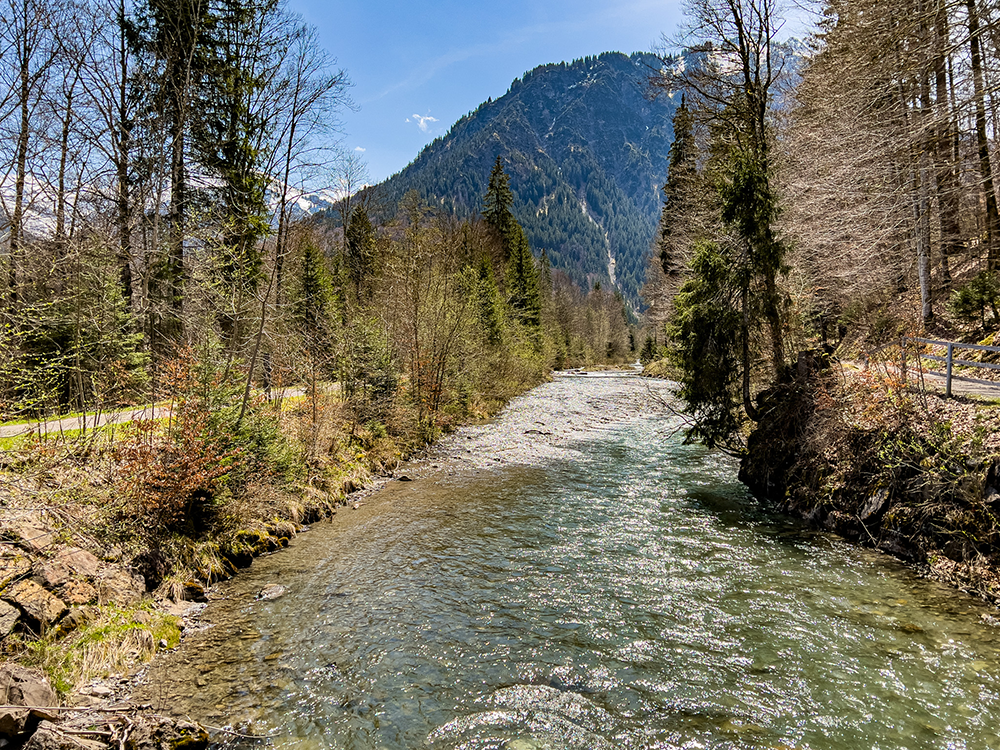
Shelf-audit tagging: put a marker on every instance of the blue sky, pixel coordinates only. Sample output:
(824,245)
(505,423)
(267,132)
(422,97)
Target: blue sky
(419,66)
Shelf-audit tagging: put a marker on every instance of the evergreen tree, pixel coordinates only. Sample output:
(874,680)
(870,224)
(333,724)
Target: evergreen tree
(522,280)
(230,132)
(706,335)
(313,306)
(488,303)
(360,256)
(497,206)
(172,41)
(673,242)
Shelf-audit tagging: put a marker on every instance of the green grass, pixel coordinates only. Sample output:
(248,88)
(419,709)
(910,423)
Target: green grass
(22,442)
(111,642)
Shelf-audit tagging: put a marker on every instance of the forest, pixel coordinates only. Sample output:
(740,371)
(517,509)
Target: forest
(840,195)
(157,169)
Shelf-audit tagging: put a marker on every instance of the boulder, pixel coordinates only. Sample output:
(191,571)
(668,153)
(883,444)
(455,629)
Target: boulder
(76,618)
(36,603)
(842,523)
(68,563)
(78,592)
(13,565)
(161,733)
(193,591)
(8,618)
(32,535)
(22,687)
(52,575)
(79,561)
(875,505)
(117,586)
(49,736)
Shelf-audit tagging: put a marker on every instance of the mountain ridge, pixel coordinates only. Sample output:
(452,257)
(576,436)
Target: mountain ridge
(586,150)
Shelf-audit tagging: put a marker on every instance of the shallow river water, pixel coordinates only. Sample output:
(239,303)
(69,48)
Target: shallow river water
(574,576)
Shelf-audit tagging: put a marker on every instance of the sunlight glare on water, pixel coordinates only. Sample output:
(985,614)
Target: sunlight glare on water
(605,587)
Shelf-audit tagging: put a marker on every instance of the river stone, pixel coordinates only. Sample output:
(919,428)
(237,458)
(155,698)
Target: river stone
(37,603)
(49,737)
(13,565)
(161,733)
(194,591)
(270,591)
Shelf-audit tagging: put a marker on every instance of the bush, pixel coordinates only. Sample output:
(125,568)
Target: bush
(176,474)
(969,302)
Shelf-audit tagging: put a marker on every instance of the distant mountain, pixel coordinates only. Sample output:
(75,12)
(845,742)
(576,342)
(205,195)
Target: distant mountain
(586,150)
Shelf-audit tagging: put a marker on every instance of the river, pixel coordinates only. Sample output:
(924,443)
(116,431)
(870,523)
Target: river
(574,576)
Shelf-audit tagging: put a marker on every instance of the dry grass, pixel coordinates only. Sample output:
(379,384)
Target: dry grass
(113,641)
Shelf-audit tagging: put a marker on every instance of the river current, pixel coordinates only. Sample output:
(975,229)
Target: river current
(574,576)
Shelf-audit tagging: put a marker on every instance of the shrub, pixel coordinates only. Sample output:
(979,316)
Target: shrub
(969,302)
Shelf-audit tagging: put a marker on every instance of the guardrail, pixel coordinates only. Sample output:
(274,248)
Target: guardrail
(950,361)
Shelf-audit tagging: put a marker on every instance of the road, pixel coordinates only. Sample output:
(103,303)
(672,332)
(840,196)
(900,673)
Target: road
(66,424)
(935,382)
(90,421)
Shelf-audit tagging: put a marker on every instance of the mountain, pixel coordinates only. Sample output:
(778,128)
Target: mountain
(586,151)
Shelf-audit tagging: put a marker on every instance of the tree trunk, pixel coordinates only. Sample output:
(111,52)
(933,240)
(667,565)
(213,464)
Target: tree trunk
(945,133)
(122,153)
(992,224)
(21,159)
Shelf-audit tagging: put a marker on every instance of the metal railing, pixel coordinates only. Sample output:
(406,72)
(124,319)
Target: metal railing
(950,361)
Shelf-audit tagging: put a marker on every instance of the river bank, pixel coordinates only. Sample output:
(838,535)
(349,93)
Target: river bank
(73,603)
(608,587)
(95,579)
(907,472)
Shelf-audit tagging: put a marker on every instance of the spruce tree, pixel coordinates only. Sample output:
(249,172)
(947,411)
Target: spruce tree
(360,256)
(522,280)
(673,241)
(497,206)
(172,39)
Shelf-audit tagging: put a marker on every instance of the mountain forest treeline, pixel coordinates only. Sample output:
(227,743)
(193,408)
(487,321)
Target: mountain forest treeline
(851,193)
(586,150)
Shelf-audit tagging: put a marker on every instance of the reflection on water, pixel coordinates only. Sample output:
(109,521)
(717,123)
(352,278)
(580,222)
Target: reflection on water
(627,594)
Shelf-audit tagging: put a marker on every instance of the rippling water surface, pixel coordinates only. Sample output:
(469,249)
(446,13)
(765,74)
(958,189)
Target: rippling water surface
(603,586)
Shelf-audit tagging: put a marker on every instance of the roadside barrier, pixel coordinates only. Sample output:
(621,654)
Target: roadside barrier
(949,361)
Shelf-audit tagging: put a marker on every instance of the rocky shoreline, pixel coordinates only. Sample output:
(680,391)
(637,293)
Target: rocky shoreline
(31,719)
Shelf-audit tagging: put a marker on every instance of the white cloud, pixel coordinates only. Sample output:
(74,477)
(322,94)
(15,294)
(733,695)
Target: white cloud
(422,122)
(359,149)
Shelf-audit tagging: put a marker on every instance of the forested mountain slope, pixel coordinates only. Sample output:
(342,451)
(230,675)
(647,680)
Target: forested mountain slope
(586,150)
